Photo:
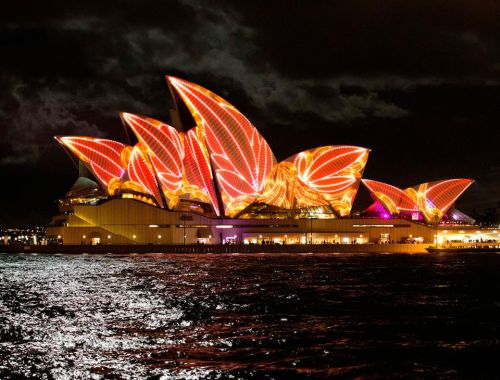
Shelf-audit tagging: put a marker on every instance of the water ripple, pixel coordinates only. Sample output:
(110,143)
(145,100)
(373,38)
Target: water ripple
(249,316)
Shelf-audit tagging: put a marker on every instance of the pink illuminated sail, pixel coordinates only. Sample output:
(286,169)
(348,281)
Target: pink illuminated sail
(392,198)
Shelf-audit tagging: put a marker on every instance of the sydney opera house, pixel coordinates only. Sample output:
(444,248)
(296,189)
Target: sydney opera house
(209,177)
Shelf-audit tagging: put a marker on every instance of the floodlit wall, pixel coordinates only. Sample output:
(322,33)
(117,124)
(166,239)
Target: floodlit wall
(125,221)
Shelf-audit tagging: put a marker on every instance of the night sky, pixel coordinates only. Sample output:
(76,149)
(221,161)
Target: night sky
(417,82)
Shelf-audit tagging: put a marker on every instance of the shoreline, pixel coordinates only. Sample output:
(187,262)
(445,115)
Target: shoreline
(208,249)
(242,248)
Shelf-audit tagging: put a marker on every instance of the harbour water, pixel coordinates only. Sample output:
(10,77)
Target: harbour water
(231,316)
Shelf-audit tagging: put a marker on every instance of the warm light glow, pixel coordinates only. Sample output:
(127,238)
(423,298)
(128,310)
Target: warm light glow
(141,172)
(435,198)
(179,159)
(373,225)
(240,156)
(328,175)
(225,151)
(180,164)
(102,157)
(393,199)
(431,199)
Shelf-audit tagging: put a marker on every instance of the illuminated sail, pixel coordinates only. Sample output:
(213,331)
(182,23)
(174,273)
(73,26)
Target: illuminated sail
(431,199)
(392,198)
(101,156)
(435,198)
(225,151)
(240,156)
(327,175)
(141,172)
(181,166)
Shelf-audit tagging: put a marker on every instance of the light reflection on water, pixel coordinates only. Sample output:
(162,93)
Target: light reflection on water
(249,316)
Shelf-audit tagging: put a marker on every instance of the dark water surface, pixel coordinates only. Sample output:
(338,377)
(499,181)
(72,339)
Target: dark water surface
(250,316)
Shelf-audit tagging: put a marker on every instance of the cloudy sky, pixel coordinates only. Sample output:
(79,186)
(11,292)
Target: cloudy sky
(417,82)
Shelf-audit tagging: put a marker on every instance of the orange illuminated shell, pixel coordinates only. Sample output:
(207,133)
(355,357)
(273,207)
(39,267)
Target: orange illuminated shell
(431,199)
(240,156)
(101,156)
(435,198)
(224,151)
(327,175)
(392,198)
(141,172)
(178,158)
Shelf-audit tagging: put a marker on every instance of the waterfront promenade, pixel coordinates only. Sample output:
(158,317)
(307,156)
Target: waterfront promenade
(227,248)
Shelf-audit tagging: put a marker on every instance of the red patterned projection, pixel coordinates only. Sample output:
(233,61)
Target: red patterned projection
(240,156)
(435,198)
(181,166)
(141,172)
(164,146)
(197,169)
(392,198)
(173,165)
(102,157)
(431,199)
(327,175)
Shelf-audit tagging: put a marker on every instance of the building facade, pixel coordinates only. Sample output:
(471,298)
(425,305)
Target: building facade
(211,178)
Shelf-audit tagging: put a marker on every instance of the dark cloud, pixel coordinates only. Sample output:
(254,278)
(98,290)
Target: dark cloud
(416,82)
(392,38)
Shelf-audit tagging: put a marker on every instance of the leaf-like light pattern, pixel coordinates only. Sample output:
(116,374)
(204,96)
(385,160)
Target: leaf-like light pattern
(101,156)
(326,175)
(245,168)
(333,172)
(391,197)
(141,172)
(179,160)
(240,156)
(435,198)
(197,169)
